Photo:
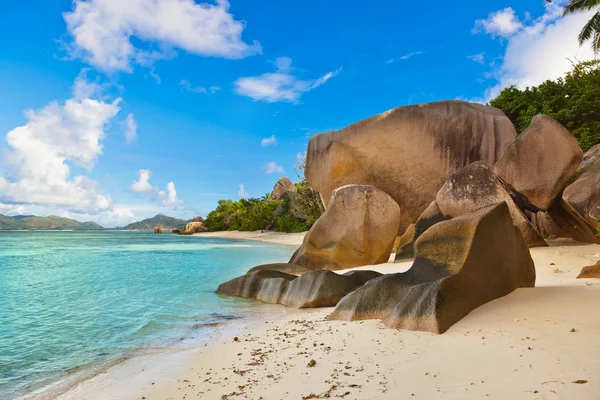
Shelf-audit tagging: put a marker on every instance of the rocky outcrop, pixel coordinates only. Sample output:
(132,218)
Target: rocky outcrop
(282,188)
(177,231)
(476,186)
(460,264)
(357,228)
(583,196)
(540,162)
(311,289)
(158,229)
(592,271)
(571,224)
(291,269)
(194,227)
(408,152)
(589,158)
(197,219)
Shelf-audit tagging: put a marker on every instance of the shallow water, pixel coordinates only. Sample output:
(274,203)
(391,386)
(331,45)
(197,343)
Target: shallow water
(72,301)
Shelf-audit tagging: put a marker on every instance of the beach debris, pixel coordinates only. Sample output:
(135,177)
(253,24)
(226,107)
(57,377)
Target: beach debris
(580,381)
(311,363)
(591,271)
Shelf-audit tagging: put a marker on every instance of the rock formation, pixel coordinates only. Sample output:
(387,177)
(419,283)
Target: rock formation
(311,289)
(194,227)
(589,158)
(592,271)
(158,229)
(408,152)
(291,269)
(357,228)
(583,196)
(282,188)
(540,162)
(460,264)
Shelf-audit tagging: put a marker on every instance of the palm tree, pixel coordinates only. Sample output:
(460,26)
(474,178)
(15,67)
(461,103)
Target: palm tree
(591,30)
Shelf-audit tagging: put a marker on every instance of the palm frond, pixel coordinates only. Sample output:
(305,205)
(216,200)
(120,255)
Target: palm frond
(591,29)
(580,5)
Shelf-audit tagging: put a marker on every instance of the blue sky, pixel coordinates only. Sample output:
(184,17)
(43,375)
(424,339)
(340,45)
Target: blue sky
(114,111)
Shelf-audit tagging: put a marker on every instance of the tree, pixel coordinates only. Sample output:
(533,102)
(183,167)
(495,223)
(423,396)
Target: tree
(591,30)
(574,101)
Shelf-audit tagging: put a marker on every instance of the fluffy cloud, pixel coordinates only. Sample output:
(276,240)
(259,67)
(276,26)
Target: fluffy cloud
(271,168)
(130,128)
(541,49)
(281,85)
(170,197)
(142,185)
(503,23)
(187,86)
(37,161)
(404,57)
(242,194)
(478,58)
(268,141)
(102,31)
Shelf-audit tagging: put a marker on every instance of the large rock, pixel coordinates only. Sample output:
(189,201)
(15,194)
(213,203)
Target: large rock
(282,188)
(311,289)
(194,227)
(291,269)
(460,264)
(357,228)
(408,152)
(476,186)
(589,158)
(571,224)
(583,196)
(540,162)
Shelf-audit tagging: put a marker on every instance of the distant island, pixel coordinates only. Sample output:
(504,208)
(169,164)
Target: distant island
(54,222)
(32,222)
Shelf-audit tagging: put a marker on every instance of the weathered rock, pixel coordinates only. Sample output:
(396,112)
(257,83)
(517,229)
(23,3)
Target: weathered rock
(324,288)
(583,196)
(197,219)
(291,269)
(194,227)
(158,229)
(408,152)
(282,188)
(476,186)
(311,289)
(540,162)
(589,158)
(431,216)
(571,224)
(255,285)
(357,228)
(460,264)
(592,271)
(176,230)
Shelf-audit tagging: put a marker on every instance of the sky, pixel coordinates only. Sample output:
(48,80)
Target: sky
(113,111)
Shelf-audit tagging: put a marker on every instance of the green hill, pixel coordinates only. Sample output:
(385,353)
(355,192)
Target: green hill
(167,223)
(33,222)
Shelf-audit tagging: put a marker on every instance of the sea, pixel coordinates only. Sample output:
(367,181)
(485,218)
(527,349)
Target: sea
(72,303)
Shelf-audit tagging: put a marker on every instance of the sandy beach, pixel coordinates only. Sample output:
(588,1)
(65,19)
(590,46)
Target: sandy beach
(260,236)
(538,343)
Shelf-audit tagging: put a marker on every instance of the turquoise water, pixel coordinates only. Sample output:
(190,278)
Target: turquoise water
(70,301)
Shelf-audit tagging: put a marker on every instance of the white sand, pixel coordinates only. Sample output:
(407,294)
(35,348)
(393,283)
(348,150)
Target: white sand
(261,236)
(518,347)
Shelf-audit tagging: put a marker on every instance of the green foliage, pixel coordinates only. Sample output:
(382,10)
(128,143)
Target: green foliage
(574,101)
(591,30)
(161,220)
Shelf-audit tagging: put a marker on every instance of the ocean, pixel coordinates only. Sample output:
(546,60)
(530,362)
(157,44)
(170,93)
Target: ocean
(73,302)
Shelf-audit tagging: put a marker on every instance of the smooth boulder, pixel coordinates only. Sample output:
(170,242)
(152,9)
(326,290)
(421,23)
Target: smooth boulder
(408,152)
(571,224)
(540,162)
(591,271)
(282,188)
(357,228)
(583,196)
(194,227)
(291,269)
(460,265)
(589,158)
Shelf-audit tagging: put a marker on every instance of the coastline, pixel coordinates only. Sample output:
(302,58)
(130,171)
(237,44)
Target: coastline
(259,236)
(533,343)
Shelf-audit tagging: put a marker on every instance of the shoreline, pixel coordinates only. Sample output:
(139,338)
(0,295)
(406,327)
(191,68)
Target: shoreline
(258,236)
(533,343)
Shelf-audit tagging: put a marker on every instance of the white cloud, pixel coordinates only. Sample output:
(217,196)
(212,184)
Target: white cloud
(271,168)
(37,160)
(187,86)
(271,140)
(478,58)
(280,85)
(242,194)
(102,31)
(170,197)
(543,49)
(404,57)
(503,23)
(130,128)
(142,185)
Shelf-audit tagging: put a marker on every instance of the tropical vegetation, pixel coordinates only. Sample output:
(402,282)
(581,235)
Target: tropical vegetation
(591,30)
